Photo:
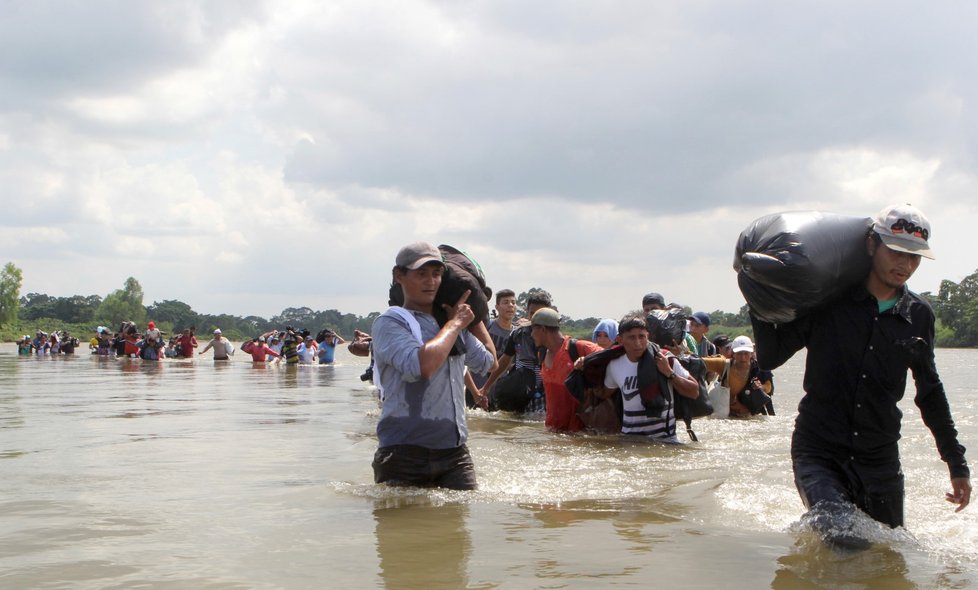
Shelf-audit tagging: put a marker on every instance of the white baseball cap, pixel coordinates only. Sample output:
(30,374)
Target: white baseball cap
(742,344)
(904,228)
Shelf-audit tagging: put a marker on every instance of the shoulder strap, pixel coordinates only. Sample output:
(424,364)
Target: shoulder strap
(725,374)
(408,318)
(572,350)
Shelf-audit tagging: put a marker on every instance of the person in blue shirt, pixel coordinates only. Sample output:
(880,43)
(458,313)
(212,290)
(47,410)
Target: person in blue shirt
(327,346)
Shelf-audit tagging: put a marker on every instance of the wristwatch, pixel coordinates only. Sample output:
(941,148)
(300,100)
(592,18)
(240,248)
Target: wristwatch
(671,376)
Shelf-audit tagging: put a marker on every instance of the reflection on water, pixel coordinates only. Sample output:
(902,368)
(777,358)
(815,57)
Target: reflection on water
(816,565)
(422,546)
(202,474)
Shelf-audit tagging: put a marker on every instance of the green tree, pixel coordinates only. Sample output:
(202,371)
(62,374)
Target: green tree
(523,297)
(297,317)
(77,309)
(124,304)
(956,305)
(177,313)
(36,305)
(11,278)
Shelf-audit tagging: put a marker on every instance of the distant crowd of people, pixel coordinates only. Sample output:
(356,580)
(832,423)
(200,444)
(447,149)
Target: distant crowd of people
(60,342)
(290,345)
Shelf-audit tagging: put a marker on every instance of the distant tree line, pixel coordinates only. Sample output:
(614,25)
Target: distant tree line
(81,314)
(955,305)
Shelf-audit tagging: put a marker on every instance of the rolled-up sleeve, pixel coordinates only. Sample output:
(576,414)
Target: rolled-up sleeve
(395,345)
(477,358)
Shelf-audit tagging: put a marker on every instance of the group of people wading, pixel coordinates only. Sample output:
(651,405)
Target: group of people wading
(290,345)
(429,349)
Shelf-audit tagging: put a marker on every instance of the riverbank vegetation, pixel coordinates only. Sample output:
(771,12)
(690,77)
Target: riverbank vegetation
(955,305)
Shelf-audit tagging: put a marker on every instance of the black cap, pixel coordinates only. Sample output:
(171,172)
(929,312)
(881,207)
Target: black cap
(655,298)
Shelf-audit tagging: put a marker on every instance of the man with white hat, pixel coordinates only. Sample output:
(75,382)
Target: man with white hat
(844,448)
(221,346)
(744,379)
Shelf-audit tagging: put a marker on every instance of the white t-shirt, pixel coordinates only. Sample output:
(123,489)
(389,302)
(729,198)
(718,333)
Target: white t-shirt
(623,374)
(307,352)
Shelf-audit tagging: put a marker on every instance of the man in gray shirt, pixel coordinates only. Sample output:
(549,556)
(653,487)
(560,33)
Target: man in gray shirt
(420,368)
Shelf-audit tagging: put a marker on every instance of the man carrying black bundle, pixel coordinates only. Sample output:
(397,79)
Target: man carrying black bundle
(419,367)
(844,448)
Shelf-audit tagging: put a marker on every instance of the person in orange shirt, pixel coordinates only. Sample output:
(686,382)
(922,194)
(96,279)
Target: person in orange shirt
(259,350)
(556,366)
(187,342)
(742,372)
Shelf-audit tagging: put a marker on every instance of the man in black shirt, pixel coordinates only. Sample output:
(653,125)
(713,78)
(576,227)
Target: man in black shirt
(521,348)
(844,448)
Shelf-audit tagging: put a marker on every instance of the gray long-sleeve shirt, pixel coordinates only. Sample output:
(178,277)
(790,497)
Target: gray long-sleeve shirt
(416,411)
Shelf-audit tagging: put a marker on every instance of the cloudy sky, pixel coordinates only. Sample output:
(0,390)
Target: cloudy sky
(248,156)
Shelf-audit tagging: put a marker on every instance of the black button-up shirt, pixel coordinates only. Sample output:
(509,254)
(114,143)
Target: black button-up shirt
(855,374)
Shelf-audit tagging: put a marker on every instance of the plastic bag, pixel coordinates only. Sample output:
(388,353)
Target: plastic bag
(514,390)
(460,276)
(688,408)
(791,263)
(666,326)
(754,399)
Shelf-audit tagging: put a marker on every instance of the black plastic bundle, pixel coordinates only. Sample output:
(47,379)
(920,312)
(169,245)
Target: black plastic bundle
(666,326)
(791,263)
(462,273)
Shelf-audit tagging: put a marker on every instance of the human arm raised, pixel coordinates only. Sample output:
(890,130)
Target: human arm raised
(434,352)
(360,346)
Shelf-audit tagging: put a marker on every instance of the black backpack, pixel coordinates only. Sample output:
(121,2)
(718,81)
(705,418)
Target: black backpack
(686,408)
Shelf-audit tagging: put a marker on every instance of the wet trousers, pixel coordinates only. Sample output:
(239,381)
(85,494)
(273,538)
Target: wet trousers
(411,465)
(877,489)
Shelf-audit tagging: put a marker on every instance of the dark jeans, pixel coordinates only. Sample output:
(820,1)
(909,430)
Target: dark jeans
(410,465)
(875,489)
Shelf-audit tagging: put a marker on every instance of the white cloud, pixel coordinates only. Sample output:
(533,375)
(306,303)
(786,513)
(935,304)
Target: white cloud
(247,157)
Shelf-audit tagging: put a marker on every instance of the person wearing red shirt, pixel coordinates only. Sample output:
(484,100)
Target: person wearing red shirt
(556,366)
(258,350)
(187,342)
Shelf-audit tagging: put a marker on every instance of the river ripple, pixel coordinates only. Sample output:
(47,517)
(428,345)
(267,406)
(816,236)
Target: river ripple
(195,474)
